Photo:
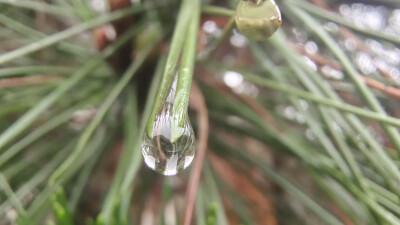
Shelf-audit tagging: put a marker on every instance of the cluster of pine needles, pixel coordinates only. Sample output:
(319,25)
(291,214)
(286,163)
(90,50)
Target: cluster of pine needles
(291,130)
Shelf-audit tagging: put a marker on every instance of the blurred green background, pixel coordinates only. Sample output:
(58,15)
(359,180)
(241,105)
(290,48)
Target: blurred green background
(300,128)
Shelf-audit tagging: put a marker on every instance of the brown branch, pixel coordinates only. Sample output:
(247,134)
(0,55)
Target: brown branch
(261,206)
(321,4)
(341,215)
(319,59)
(211,81)
(388,90)
(374,84)
(198,104)
(361,47)
(26,81)
(347,33)
(122,58)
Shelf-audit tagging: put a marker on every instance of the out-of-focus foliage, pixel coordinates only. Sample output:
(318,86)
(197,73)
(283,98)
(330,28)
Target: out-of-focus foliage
(303,126)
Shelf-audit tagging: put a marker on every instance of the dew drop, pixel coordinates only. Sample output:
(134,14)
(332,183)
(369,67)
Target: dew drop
(160,152)
(257,19)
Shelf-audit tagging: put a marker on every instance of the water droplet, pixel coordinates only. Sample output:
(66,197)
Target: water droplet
(160,152)
(257,19)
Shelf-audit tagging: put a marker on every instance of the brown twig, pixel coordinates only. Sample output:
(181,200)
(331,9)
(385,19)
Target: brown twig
(319,59)
(341,215)
(358,43)
(262,207)
(321,4)
(105,35)
(30,80)
(377,85)
(254,105)
(198,104)
(361,47)
(388,90)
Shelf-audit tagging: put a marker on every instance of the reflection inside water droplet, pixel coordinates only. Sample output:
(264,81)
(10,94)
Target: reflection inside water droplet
(257,19)
(159,151)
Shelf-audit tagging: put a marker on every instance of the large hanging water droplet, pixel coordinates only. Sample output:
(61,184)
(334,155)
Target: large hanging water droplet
(257,19)
(160,152)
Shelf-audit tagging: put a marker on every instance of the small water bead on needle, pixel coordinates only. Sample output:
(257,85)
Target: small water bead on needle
(257,19)
(160,152)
